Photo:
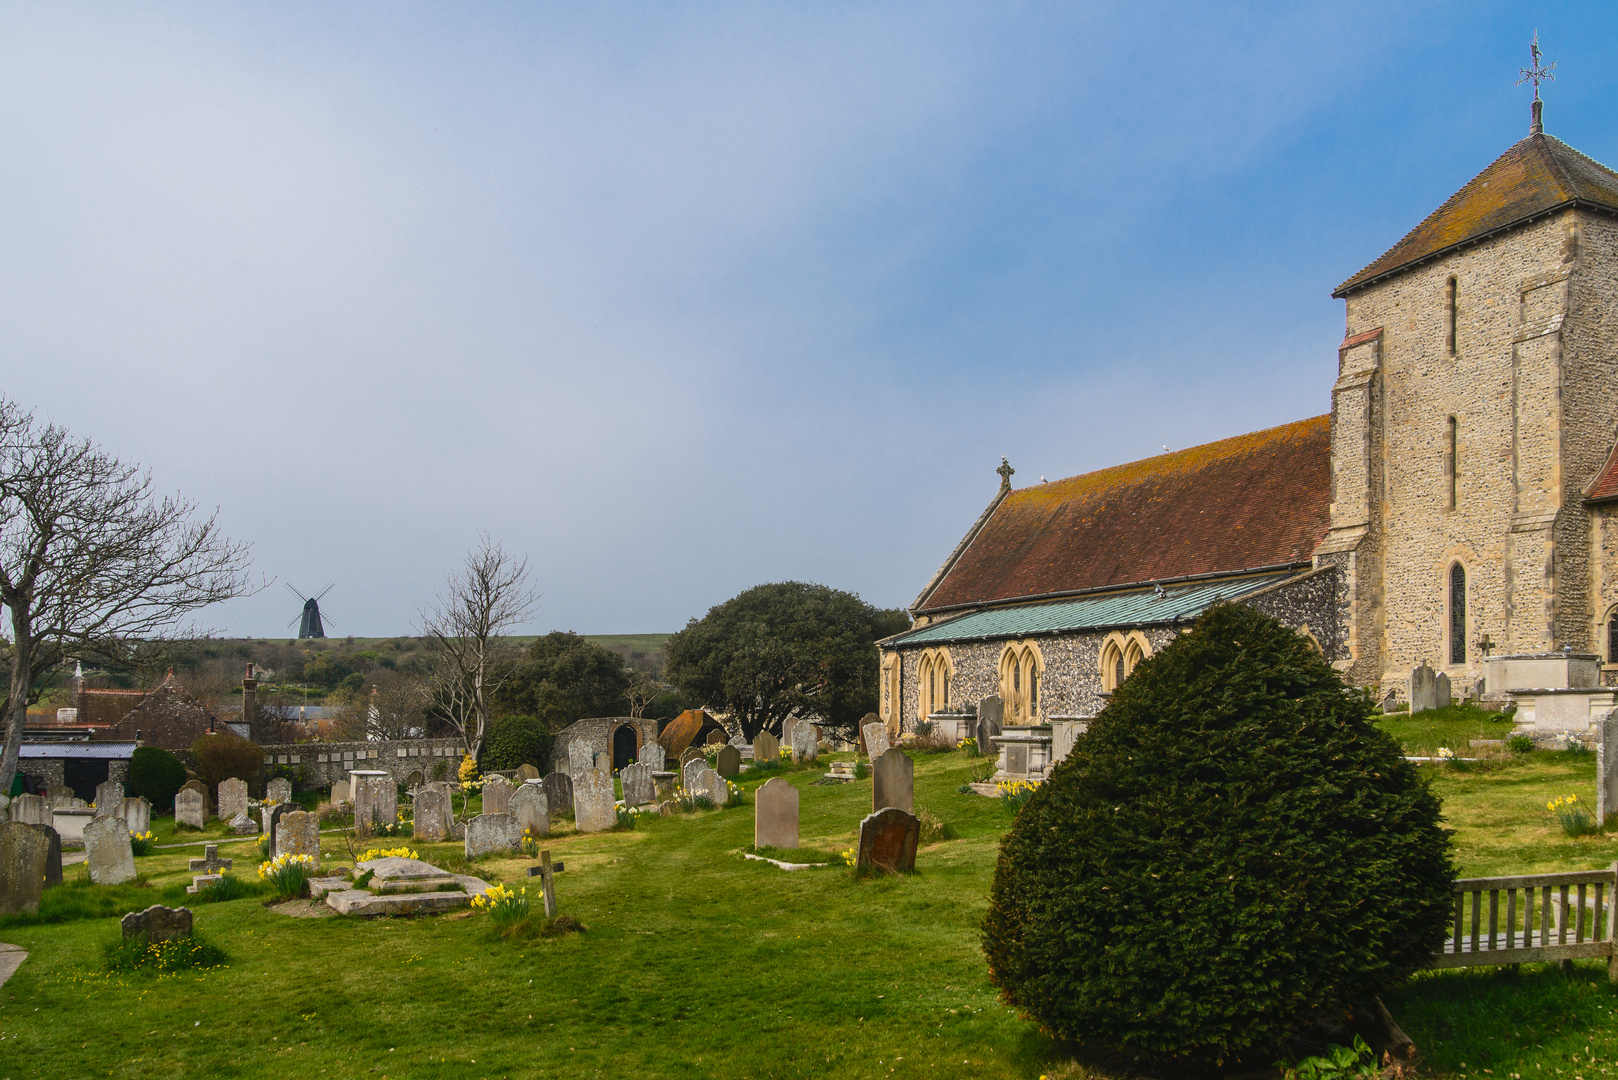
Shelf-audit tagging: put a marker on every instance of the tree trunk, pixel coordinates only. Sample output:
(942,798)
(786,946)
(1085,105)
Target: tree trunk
(22,664)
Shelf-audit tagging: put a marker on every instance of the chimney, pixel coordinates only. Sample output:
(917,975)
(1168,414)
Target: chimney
(250,704)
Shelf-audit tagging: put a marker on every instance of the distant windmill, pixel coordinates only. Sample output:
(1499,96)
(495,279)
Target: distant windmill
(309,624)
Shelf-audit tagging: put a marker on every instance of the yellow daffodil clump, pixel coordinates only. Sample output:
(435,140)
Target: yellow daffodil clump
(388,853)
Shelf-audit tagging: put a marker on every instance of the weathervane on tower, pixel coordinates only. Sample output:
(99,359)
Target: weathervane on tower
(1538,72)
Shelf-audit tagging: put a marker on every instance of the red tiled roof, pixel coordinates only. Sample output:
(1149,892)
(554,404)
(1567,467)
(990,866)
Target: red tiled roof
(1605,486)
(1537,175)
(1255,500)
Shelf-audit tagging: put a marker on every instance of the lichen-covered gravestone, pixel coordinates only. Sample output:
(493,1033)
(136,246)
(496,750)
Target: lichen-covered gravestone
(652,755)
(526,773)
(137,815)
(279,789)
(189,808)
(775,815)
(594,808)
(53,860)
(201,789)
(532,809)
(434,813)
(376,799)
(340,793)
(876,740)
(109,798)
(690,771)
(579,758)
(766,747)
(711,784)
(31,810)
(107,851)
(558,792)
(805,741)
(489,833)
(232,798)
(157,923)
(298,833)
(893,781)
(639,787)
(23,852)
(888,841)
(497,795)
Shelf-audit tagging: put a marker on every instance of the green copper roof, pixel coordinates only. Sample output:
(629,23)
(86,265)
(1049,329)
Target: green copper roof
(1139,607)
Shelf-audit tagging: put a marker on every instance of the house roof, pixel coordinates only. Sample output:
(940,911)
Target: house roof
(1538,175)
(1256,501)
(1604,488)
(1135,607)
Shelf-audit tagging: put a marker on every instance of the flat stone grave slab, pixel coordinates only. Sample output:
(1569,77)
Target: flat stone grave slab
(396,874)
(395,889)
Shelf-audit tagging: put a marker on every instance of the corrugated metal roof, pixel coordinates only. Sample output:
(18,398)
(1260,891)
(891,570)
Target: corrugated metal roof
(81,750)
(1139,607)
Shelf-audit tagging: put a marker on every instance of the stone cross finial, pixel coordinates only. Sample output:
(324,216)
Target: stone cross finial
(1485,643)
(1537,72)
(1005,470)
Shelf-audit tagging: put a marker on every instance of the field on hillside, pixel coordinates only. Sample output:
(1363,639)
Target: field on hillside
(699,963)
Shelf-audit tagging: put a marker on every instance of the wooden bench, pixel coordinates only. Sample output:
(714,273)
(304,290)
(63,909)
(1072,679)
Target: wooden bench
(1536,917)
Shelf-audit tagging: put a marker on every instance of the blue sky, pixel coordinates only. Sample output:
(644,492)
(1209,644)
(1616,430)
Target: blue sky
(677,299)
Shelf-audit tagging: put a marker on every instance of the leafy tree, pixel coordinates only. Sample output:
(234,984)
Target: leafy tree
(223,755)
(1231,850)
(784,649)
(513,741)
(563,678)
(156,775)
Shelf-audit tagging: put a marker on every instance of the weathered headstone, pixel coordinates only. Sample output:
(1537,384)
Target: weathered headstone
(594,808)
(526,773)
(532,809)
(729,762)
(603,761)
(208,870)
(558,792)
(189,808)
(738,741)
(876,740)
(639,787)
(157,923)
(766,747)
(109,798)
(61,797)
(688,755)
(805,741)
(137,815)
(497,795)
(376,800)
(107,851)
(992,710)
(579,758)
(271,814)
(711,784)
(893,781)
(775,814)
(297,832)
(340,793)
(242,825)
(1606,740)
(53,859)
(1425,690)
(31,810)
(24,850)
(888,841)
(652,755)
(690,771)
(490,833)
(197,786)
(716,738)
(279,788)
(434,813)
(232,798)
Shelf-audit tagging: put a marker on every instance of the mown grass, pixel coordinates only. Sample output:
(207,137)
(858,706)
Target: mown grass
(1454,727)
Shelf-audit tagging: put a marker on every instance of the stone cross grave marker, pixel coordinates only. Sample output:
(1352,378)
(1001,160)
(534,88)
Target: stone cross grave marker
(232,798)
(107,851)
(109,798)
(434,813)
(279,788)
(558,792)
(497,795)
(775,815)
(137,815)
(53,860)
(805,741)
(207,870)
(533,810)
(766,747)
(489,833)
(888,841)
(1425,689)
(376,799)
(639,788)
(31,810)
(579,758)
(713,785)
(23,853)
(690,772)
(157,923)
(297,832)
(729,762)
(594,808)
(893,781)
(526,773)
(876,740)
(652,755)
(188,809)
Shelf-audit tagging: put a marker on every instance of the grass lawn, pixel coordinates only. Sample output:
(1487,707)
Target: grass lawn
(699,963)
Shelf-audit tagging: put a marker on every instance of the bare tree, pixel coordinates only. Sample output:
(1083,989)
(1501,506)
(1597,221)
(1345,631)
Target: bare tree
(643,690)
(92,561)
(485,597)
(392,709)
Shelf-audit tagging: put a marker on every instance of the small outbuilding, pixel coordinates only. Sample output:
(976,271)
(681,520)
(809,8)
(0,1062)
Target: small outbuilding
(690,728)
(620,736)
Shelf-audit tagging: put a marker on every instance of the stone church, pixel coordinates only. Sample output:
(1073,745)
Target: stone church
(1459,501)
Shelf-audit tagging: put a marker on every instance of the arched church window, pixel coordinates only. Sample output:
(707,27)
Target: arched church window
(1612,638)
(1457,614)
(1119,674)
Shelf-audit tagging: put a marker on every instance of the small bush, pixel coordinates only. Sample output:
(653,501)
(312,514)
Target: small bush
(1357,1062)
(861,770)
(155,774)
(288,875)
(1519,744)
(163,957)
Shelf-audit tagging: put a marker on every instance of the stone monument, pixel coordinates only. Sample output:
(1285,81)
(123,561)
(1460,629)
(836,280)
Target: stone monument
(775,815)
(893,781)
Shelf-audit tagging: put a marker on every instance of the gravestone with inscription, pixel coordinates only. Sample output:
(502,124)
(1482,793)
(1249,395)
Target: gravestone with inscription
(490,833)
(652,755)
(109,798)
(189,809)
(497,795)
(775,815)
(805,741)
(888,841)
(107,852)
(232,798)
(712,785)
(434,813)
(31,810)
(594,807)
(533,810)
(23,854)
(558,792)
(137,815)
(690,771)
(376,799)
(893,781)
(297,832)
(766,747)
(1429,689)
(876,740)
(729,762)
(279,788)
(639,788)
(579,758)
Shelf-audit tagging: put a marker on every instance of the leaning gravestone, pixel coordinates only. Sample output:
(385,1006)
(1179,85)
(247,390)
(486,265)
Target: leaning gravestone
(109,798)
(497,795)
(532,809)
(157,923)
(31,810)
(729,762)
(376,800)
(232,798)
(594,808)
(526,773)
(107,851)
(434,813)
(490,833)
(652,755)
(24,850)
(1425,689)
(297,832)
(279,789)
(53,861)
(558,792)
(137,815)
(876,740)
(188,808)
(805,741)
(888,841)
(639,788)
(766,747)
(775,815)
(893,781)
(711,784)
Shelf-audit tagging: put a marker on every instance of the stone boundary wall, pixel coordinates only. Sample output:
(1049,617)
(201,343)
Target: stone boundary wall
(321,764)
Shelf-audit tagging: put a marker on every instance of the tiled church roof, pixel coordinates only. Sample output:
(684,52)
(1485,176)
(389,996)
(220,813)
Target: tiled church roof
(1256,500)
(1537,175)
(1604,488)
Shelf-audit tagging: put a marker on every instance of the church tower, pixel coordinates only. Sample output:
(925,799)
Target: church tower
(1473,419)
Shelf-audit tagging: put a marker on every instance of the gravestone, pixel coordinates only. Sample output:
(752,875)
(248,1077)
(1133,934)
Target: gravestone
(232,798)
(279,789)
(414,779)
(579,758)
(376,799)
(188,808)
(738,741)
(24,850)
(526,773)
(690,772)
(490,833)
(688,755)
(340,793)
(1606,740)
(107,851)
(888,841)
(729,762)
(497,795)
(639,788)
(157,923)
(766,747)
(434,813)
(558,792)
(716,738)
(53,860)
(805,741)
(532,809)
(137,815)
(271,815)
(1425,690)
(893,781)
(109,798)
(711,784)
(876,740)
(242,825)
(297,832)
(594,808)
(992,711)
(775,814)
(31,810)
(652,755)
(603,761)
(61,797)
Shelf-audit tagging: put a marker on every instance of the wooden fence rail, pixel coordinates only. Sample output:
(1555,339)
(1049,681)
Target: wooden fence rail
(1519,920)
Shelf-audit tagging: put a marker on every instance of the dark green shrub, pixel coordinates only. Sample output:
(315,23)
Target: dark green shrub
(156,775)
(1231,847)
(513,741)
